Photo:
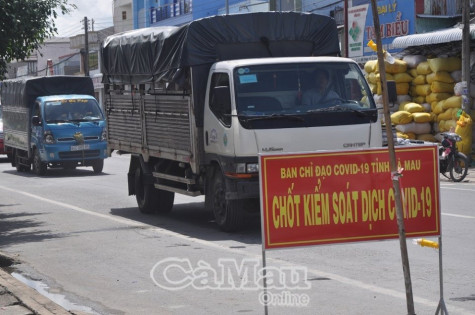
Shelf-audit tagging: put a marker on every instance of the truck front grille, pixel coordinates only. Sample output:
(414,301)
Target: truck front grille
(72,139)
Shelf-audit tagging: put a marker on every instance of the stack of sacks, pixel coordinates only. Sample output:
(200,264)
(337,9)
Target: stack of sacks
(445,73)
(394,72)
(412,122)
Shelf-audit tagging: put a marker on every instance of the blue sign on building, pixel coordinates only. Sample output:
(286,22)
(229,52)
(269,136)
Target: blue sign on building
(396,18)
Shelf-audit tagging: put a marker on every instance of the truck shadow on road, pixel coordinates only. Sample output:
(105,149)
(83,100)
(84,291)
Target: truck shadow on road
(194,220)
(22,227)
(58,173)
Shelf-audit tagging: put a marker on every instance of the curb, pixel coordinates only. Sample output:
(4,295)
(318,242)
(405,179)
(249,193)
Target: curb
(20,298)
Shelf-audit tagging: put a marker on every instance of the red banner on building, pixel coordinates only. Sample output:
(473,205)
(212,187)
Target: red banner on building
(347,196)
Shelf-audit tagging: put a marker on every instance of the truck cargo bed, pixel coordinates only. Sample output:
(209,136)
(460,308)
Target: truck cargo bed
(155,125)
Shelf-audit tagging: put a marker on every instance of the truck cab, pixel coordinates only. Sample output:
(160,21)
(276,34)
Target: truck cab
(68,131)
(257,106)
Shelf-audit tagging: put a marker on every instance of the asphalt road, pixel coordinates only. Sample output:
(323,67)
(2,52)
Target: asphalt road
(83,241)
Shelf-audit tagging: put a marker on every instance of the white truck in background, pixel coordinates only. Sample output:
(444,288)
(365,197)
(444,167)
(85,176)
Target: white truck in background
(196,104)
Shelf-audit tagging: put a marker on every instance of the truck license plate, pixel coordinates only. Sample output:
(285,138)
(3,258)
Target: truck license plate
(79,147)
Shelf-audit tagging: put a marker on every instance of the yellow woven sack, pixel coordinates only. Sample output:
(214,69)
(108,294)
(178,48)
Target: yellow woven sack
(432,97)
(446,125)
(423,68)
(370,66)
(464,129)
(421,117)
(445,64)
(441,76)
(442,87)
(401,118)
(411,135)
(402,77)
(399,66)
(448,114)
(453,102)
(374,77)
(413,108)
(439,108)
(401,89)
(426,137)
(433,117)
(419,79)
(413,72)
(423,89)
(402,105)
(419,99)
(373,88)
(401,135)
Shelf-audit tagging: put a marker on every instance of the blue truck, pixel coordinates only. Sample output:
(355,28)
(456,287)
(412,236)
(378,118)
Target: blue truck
(53,122)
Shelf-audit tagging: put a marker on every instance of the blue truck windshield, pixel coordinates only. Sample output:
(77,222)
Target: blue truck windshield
(75,110)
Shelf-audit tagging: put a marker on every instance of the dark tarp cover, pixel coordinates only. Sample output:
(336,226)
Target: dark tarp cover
(24,91)
(164,53)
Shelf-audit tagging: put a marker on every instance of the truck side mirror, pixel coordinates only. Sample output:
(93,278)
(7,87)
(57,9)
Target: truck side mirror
(35,121)
(392,93)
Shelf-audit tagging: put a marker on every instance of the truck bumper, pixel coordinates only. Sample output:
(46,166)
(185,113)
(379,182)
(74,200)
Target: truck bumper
(55,153)
(242,189)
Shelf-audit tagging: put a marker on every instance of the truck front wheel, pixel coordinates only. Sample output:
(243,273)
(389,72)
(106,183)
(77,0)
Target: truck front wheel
(39,167)
(149,199)
(97,166)
(228,214)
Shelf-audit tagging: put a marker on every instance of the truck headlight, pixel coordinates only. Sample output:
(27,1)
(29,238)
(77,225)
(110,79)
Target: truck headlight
(247,168)
(104,135)
(49,138)
(252,168)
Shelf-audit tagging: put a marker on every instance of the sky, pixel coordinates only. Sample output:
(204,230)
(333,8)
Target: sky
(72,24)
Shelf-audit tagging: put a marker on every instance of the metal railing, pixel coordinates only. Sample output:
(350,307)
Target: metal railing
(167,11)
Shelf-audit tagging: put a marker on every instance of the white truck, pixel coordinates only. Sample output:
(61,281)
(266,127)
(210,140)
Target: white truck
(196,104)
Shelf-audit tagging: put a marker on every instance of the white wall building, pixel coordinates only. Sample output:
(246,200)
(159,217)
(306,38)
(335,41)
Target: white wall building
(122,16)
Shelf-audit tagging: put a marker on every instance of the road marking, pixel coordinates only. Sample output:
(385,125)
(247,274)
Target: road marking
(316,272)
(461,189)
(458,215)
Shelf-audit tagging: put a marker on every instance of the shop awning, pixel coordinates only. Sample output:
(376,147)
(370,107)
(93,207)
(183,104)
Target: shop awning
(436,37)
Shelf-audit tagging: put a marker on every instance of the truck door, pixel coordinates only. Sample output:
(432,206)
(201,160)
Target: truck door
(36,129)
(218,119)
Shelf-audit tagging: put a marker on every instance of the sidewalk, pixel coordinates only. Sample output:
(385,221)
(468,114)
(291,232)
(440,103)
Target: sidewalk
(16,298)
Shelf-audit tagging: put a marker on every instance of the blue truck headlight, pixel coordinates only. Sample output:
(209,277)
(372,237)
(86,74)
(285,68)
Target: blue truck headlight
(104,135)
(49,138)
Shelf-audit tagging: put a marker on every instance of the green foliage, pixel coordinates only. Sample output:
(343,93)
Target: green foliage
(25,25)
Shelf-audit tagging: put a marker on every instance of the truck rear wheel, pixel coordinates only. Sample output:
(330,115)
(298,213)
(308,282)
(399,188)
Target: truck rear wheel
(19,167)
(149,199)
(39,167)
(228,214)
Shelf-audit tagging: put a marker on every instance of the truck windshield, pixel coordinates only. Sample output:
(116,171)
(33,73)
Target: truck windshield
(335,91)
(75,110)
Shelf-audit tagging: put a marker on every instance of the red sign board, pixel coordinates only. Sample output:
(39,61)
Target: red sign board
(347,196)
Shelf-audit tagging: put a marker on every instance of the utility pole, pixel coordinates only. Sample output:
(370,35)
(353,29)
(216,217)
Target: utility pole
(466,106)
(395,172)
(86,48)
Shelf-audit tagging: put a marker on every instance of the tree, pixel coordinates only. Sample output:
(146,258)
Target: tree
(25,25)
